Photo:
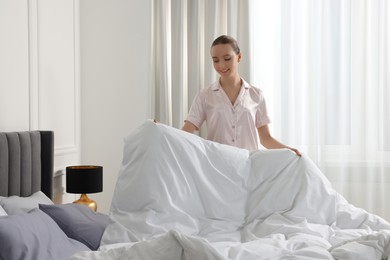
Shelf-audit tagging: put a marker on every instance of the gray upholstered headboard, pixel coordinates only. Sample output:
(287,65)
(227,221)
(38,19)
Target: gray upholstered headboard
(26,163)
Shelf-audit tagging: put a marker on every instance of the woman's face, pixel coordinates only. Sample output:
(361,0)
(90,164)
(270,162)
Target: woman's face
(225,60)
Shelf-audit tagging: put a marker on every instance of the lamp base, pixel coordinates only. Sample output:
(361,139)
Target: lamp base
(84,200)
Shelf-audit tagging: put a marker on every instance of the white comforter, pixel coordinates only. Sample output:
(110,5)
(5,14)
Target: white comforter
(179,196)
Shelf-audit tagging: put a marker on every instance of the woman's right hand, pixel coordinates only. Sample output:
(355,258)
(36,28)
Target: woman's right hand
(189,127)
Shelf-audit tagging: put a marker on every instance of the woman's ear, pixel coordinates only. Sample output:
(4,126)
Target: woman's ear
(239,57)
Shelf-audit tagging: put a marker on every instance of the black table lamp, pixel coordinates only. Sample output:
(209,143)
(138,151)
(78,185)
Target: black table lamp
(84,179)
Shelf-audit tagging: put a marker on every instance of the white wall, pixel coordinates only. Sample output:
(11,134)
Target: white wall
(14,66)
(115,80)
(39,85)
(81,69)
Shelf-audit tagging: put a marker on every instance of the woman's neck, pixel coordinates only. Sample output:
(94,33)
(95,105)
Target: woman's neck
(231,87)
(231,82)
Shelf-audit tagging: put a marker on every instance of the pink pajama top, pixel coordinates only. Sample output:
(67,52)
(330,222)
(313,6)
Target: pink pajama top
(229,124)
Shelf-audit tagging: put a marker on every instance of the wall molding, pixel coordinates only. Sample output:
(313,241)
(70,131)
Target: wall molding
(36,39)
(33,64)
(44,43)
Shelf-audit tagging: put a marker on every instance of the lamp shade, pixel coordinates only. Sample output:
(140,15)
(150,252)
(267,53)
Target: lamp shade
(84,179)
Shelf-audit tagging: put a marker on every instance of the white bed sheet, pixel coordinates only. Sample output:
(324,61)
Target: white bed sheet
(179,196)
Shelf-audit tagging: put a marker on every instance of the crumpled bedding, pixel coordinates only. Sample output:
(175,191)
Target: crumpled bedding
(179,196)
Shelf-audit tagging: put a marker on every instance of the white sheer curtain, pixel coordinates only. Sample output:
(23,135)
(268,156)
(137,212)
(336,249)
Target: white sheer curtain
(183,31)
(324,68)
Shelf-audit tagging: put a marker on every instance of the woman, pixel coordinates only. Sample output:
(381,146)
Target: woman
(235,111)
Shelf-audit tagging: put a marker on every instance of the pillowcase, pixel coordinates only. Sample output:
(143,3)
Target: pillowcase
(2,212)
(15,205)
(35,235)
(79,222)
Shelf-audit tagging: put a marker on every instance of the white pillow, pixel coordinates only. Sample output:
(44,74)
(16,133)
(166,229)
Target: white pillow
(2,212)
(15,205)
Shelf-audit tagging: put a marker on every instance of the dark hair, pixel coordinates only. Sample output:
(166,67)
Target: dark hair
(225,39)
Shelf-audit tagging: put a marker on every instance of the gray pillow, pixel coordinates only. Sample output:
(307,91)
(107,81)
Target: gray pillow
(19,238)
(79,222)
(16,205)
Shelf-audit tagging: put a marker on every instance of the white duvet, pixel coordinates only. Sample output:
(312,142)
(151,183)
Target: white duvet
(179,196)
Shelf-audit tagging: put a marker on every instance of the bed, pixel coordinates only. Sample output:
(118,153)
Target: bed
(31,225)
(178,196)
